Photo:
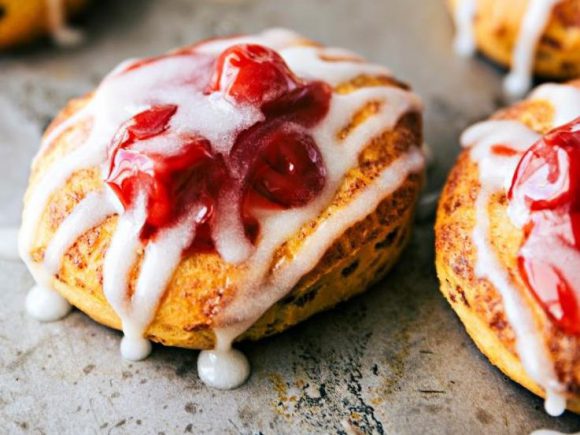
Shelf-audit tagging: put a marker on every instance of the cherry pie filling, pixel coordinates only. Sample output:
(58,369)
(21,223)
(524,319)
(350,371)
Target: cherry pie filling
(274,164)
(547,183)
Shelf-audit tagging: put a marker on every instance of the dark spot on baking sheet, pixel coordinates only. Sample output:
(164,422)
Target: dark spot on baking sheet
(185,368)
(188,428)
(433,409)
(120,423)
(431,391)
(483,416)
(88,369)
(190,408)
(388,240)
(348,270)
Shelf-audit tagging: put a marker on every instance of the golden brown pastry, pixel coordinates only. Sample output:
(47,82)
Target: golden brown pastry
(21,21)
(507,251)
(529,36)
(227,190)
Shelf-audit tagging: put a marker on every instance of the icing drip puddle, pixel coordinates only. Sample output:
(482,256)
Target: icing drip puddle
(539,190)
(228,146)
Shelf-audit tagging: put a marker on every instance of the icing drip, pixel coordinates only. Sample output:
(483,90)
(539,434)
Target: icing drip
(45,304)
(534,22)
(118,262)
(495,175)
(464,42)
(61,33)
(495,171)
(519,80)
(171,81)
(159,261)
(223,369)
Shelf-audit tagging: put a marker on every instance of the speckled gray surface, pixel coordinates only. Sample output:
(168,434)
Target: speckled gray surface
(395,360)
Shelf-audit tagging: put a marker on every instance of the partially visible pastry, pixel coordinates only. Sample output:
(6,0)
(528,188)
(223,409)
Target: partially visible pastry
(508,242)
(539,37)
(22,21)
(223,191)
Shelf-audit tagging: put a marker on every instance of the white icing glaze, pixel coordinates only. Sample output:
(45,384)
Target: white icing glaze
(45,304)
(135,348)
(519,80)
(223,369)
(61,33)
(464,43)
(9,243)
(126,92)
(90,212)
(565,100)
(307,62)
(496,172)
(533,24)
(239,315)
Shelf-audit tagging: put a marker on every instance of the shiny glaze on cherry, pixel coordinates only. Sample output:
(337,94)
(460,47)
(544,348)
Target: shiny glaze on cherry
(547,183)
(274,164)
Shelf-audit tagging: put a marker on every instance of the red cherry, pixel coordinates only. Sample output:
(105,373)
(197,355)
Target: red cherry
(288,171)
(305,105)
(547,181)
(273,164)
(164,179)
(250,73)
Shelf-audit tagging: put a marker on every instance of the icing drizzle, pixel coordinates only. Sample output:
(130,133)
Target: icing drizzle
(61,33)
(136,85)
(497,147)
(535,19)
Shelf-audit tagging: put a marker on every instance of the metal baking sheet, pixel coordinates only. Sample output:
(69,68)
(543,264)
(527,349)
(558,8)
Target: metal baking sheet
(395,360)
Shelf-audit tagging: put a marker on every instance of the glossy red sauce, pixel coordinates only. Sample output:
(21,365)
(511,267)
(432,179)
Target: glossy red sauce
(547,180)
(503,151)
(274,164)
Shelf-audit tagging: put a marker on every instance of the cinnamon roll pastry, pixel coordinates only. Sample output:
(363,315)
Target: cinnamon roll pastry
(224,191)
(508,242)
